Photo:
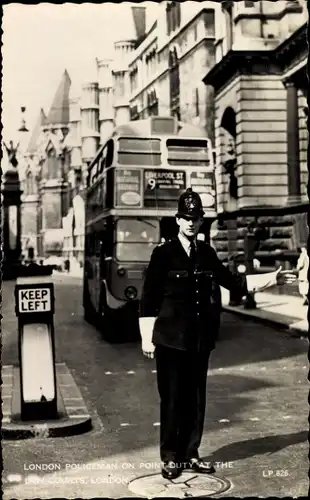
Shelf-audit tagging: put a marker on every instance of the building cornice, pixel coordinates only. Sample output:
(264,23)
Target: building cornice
(142,50)
(237,62)
(293,48)
(259,211)
(52,184)
(272,62)
(31,198)
(288,9)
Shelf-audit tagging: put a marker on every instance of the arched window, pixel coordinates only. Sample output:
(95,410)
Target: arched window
(51,164)
(227,8)
(229,160)
(29,183)
(152,103)
(173,16)
(174,83)
(229,121)
(196,101)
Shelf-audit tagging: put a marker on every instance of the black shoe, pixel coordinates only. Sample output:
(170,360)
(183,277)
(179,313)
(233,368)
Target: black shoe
(171,470)
(198,465)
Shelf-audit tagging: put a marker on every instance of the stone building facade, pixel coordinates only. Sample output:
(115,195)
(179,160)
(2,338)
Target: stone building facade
(260,93)
(237,69)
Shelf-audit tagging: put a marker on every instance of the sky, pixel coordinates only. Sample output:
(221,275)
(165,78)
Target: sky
(41,41)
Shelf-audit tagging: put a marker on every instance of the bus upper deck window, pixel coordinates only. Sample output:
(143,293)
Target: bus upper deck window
(139,151)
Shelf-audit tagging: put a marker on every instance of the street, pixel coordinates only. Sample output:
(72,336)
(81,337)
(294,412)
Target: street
(256,423)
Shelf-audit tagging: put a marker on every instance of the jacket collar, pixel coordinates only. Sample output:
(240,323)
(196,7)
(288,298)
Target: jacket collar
(185,242)
(178,249)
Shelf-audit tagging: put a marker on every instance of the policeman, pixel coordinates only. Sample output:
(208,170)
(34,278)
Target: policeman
(176,318)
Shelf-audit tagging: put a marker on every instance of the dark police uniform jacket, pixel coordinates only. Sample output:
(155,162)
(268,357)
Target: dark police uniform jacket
(179,297)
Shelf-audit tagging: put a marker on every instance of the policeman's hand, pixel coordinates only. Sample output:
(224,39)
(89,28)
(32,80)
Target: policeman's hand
(148,349)
(286,277)
(146,330)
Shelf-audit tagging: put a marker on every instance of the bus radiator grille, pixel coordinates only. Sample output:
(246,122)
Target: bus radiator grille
(135,275)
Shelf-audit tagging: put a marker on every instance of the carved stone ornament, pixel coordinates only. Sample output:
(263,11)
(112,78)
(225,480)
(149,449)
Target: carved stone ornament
(230,162)
(12,153)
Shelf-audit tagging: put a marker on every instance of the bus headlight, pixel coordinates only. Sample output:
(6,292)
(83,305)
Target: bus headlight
(241,269)
(131,292)
(121,271)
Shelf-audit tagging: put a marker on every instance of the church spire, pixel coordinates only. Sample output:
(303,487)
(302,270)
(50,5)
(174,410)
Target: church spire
(59,111)
(41,121)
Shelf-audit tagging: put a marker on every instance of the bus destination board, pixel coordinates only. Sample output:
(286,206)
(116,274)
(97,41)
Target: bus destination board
(202,183)
(162,188)
(128,187)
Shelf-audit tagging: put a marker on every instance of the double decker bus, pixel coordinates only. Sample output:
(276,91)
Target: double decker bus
(133,187)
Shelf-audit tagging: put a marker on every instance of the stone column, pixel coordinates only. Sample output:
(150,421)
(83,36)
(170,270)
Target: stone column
(293,166)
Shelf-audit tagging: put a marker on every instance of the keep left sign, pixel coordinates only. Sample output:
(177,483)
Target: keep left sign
(34,300)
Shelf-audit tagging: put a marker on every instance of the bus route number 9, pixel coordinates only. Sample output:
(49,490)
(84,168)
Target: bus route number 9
(151,184)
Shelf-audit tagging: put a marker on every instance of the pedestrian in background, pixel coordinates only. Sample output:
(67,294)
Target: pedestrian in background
(302,268)
(176,318)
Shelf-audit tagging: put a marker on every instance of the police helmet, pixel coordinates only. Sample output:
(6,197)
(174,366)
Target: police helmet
(190,205)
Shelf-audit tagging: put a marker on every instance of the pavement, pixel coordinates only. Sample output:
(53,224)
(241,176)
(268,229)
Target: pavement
(256,424)
(76,272)
(73,416)
(279,310)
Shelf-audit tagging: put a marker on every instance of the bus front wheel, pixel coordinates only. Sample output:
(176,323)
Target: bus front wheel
(108,321)
(89,310)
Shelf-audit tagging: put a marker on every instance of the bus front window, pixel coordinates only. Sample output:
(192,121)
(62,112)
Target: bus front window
(136,239)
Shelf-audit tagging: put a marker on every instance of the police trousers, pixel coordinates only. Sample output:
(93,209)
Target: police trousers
(181,381)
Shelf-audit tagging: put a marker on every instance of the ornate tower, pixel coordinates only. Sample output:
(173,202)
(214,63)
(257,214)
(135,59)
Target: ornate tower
(73,142)
(123,50)
(89,121)
(106,111)
(54,163)
(134,30)
(31,197)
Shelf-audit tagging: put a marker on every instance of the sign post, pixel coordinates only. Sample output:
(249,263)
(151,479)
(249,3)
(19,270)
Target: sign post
(34,307)
(11,197)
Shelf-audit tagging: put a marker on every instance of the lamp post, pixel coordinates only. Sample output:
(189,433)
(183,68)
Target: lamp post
(11,199)
(250,245)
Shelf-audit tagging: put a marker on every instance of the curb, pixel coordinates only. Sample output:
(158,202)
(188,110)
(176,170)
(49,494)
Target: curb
(47,430)
(68,275)
(71,421)
(296,332)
